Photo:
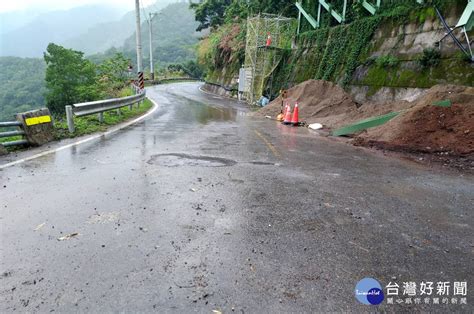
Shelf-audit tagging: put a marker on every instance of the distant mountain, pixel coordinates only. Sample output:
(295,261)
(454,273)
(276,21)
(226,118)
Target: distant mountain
(91,29)
(31,39)
(103,36)
(174,36)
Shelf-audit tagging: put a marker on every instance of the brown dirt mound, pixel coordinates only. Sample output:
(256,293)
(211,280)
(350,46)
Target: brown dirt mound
(326,103)
(429,128)
(316,99)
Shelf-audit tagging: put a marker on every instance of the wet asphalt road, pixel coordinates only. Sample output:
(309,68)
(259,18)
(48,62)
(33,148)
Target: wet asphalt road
(202,208)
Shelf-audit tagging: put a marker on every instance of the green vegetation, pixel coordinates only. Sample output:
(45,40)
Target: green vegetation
(91,124)
(335,52)
(191,69)
(174,39)
(223,47)
(21,85)
(430,58)
(412,74)
(69,78)
(72,79)
(387,61)
(10,139)
(218,12)
(330,53)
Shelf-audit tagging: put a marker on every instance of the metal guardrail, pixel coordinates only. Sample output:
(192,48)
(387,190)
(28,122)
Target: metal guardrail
(172,79)
(9,124)
(101,106)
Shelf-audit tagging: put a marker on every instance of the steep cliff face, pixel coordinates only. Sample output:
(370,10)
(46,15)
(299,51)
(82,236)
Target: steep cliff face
(375,58)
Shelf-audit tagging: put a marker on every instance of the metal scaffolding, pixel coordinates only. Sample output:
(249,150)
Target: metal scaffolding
(261,55)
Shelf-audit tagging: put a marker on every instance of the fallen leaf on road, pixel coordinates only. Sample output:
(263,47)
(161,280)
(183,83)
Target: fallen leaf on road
(68,236)
(216,312)
(38,227)
(193,190)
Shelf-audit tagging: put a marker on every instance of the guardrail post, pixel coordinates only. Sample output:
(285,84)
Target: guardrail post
(70,119)
(119,112)
(101,117)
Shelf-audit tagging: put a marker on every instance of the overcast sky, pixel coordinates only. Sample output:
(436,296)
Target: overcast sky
(50,5)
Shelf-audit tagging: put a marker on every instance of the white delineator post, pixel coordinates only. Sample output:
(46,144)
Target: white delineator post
(70,119)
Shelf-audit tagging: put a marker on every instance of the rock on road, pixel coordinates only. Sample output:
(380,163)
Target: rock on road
(202,207)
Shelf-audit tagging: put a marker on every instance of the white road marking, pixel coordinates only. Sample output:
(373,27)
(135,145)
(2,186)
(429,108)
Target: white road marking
(48,152)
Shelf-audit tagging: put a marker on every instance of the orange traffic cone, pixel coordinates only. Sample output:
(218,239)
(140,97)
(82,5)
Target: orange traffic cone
(287,119)
(294,120)
(269,40)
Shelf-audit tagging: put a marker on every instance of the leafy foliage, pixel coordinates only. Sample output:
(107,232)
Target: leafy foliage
(430,57)
(213,13)
(224,46)
(113,75)
(210,13)
(190,68)
(387,61)
(69,78)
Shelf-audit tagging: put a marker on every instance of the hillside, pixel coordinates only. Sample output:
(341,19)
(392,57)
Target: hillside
(21,85)
(174,37)
(391,55)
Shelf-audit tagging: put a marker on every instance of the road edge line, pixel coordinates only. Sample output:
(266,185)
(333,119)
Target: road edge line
(80,142)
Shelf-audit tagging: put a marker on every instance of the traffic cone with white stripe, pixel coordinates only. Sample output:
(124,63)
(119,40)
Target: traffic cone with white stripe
(294,119)
(287,119)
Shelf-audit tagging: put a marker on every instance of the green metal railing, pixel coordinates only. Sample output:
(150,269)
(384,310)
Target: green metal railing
(371,6)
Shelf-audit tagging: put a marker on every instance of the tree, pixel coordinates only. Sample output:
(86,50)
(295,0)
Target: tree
(113,74)
(210,13)
(69,78)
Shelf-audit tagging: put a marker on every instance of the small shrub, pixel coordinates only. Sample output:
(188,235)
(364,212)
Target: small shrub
(430,58)
(387,61)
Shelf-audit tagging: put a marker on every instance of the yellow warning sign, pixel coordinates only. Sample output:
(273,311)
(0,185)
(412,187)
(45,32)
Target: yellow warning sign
(37,120)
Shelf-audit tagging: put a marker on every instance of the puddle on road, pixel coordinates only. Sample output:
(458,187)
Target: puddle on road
(177,160)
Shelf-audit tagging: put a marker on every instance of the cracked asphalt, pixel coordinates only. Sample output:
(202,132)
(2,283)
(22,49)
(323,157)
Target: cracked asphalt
(203,207)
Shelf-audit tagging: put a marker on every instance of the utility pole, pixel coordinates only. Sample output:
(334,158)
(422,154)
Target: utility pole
(150,33)
(138,37)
